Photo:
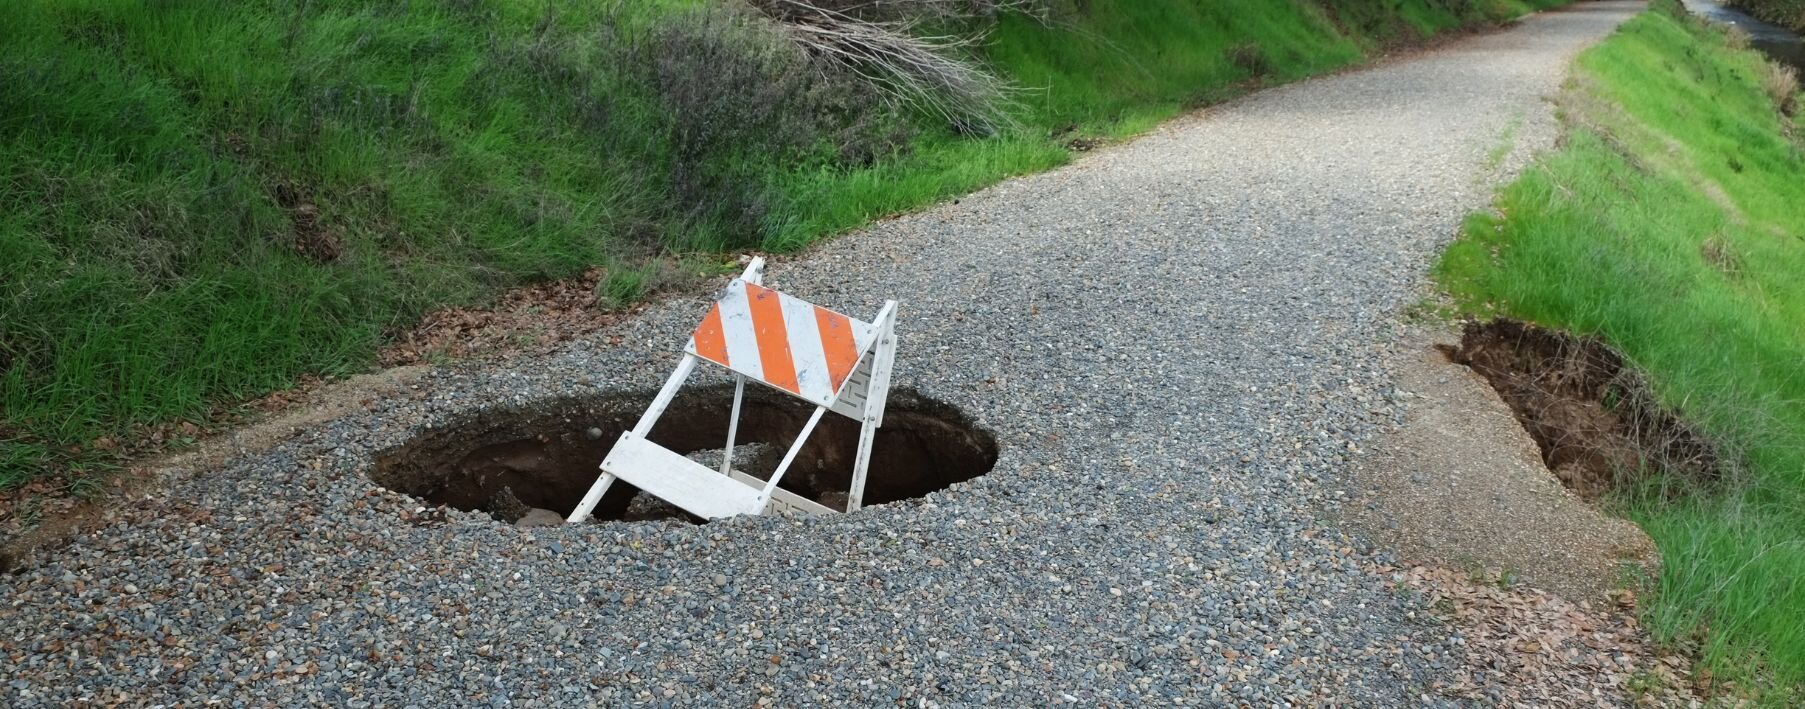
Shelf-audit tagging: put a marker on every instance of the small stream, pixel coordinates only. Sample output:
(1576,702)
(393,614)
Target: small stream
(1778,43)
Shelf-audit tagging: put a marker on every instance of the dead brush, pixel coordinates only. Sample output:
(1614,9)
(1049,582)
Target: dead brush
(1737,37)
(882,43)
(1781,84)
(735,102)
(905,10)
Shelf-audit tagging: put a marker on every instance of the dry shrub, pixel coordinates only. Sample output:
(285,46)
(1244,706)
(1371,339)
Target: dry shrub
(880,42)
(740,103)
(1781,84)
(1737,38)
(740,93)
(1249,58)
(1721,255)
(902,10)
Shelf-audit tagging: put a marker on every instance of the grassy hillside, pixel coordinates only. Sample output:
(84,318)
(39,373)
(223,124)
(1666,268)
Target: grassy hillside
(1670,226)
(202,201)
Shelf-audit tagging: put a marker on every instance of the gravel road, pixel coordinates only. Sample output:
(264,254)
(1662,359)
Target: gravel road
(1176,342)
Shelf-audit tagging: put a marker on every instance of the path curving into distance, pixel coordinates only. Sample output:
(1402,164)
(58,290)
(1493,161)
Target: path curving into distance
(1175,342)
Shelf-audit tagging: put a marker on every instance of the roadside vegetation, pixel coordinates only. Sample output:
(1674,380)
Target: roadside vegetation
(1669,225)
(1786,13)
(201,202)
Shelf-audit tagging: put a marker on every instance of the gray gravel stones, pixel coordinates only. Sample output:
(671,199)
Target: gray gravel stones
(1175,342)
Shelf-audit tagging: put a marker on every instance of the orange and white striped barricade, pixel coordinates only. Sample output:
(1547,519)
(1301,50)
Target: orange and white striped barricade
(835,362)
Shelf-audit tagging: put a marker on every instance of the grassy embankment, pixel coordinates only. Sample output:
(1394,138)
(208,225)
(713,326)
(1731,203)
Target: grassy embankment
(202,201)
(1670,225)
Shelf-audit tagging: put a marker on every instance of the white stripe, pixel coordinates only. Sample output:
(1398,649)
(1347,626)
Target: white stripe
(740,335)
(806,350)
(863,334)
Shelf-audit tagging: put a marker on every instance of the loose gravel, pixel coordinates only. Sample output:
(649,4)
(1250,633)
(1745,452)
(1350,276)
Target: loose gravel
(1176,342)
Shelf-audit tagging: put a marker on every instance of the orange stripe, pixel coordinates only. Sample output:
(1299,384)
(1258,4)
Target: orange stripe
(710,343)
(837,343)
(773,338)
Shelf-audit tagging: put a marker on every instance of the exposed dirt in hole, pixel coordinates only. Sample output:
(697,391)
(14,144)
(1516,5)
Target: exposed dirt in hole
(546,455)
(1597,424)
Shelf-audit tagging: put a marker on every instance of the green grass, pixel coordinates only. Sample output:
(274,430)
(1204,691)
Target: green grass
(148,266)
(1670,225)
(201,202)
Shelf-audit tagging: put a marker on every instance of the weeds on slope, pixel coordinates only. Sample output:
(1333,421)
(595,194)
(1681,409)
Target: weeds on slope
(1668,225)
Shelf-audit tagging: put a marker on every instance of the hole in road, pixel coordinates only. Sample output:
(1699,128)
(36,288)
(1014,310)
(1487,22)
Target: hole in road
(1598,425)
(545,455)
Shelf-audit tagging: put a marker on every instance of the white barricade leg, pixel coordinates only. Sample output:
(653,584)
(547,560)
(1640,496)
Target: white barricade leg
(665,395)
(878,393)
(591,499)
(855,496)
(644,427)
(764,496)
(733,424)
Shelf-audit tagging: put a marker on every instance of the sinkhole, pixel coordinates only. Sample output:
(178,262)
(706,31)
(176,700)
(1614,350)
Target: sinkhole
(544,456)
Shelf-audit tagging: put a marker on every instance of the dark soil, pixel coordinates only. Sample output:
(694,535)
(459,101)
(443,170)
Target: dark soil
(548,454)
(1597,424)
